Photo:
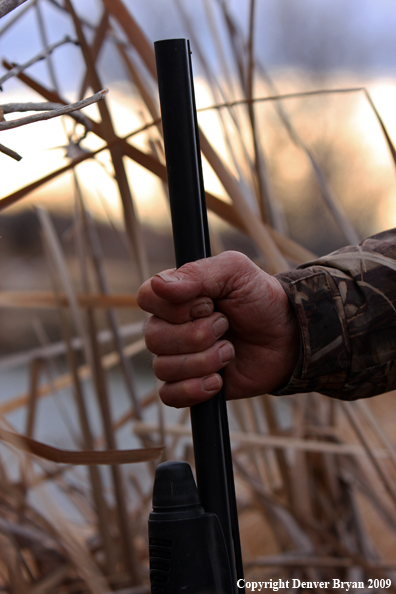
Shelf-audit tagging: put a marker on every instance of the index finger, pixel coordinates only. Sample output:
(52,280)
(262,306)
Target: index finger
(175,313)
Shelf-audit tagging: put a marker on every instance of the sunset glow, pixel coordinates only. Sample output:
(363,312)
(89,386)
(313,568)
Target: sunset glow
(37,143)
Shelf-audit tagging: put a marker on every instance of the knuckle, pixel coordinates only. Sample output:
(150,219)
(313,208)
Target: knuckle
(244,267)
(187,392)
(190,269)
(201,335)
(198,337)
(237,259)
(245,271)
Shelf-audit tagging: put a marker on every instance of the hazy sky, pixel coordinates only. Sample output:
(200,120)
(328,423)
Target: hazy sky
(353,35)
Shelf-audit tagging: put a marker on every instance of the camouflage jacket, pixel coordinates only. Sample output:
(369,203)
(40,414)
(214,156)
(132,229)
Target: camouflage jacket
(346,306)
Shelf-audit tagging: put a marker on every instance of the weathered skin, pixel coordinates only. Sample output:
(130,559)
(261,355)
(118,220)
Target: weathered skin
(253,332)
(330,329)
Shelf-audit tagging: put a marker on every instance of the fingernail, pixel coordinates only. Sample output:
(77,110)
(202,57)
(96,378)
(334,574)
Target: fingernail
(168,278)
(226,352)
(211,383)
(202,310)
(220,326)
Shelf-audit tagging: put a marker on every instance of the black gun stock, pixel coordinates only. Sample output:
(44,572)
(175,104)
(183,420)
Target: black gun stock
(217,544)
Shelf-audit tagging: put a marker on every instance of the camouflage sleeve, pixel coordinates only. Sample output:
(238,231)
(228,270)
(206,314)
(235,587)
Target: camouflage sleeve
(346,306)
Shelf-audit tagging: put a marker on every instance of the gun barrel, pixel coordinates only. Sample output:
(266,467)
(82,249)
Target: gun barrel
(212,450)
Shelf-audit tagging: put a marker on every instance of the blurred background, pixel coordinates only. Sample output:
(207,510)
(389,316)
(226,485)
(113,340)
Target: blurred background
(297,46)
(296,105)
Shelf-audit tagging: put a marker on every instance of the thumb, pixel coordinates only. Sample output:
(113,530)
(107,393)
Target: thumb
(213,277)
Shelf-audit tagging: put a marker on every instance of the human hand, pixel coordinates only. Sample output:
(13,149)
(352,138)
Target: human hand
(219,312)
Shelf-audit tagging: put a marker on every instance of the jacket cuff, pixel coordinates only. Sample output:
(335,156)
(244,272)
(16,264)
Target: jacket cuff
(324,357)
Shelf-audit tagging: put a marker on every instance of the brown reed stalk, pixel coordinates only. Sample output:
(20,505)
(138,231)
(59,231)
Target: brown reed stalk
(56,261)
(354,420)
(83,372)
(218,91)
(97,259)
(35,299)
(132,225)
(328,195)
(273,426)
(95,48)
(265,192)
(124,522)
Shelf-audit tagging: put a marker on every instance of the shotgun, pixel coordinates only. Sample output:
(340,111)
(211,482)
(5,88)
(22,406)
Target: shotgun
(194,544)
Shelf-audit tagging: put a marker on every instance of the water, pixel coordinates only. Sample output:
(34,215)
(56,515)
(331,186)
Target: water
(57,424)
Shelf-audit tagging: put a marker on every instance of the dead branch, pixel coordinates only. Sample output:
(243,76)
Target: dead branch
(9,152)
(84,457)
(44,106)
(40,56)
(7,6)
(45,299)
(12,20)
(54,113)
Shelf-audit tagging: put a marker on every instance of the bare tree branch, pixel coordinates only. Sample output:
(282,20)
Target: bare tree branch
(45,106)
(11,21)
(9,152)
(7,6)
(19,68)
(65,109)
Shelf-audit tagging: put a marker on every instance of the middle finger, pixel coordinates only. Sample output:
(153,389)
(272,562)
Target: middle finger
(163,338)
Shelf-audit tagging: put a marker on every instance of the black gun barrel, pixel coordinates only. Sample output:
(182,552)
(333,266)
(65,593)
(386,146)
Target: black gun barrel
(212,450)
